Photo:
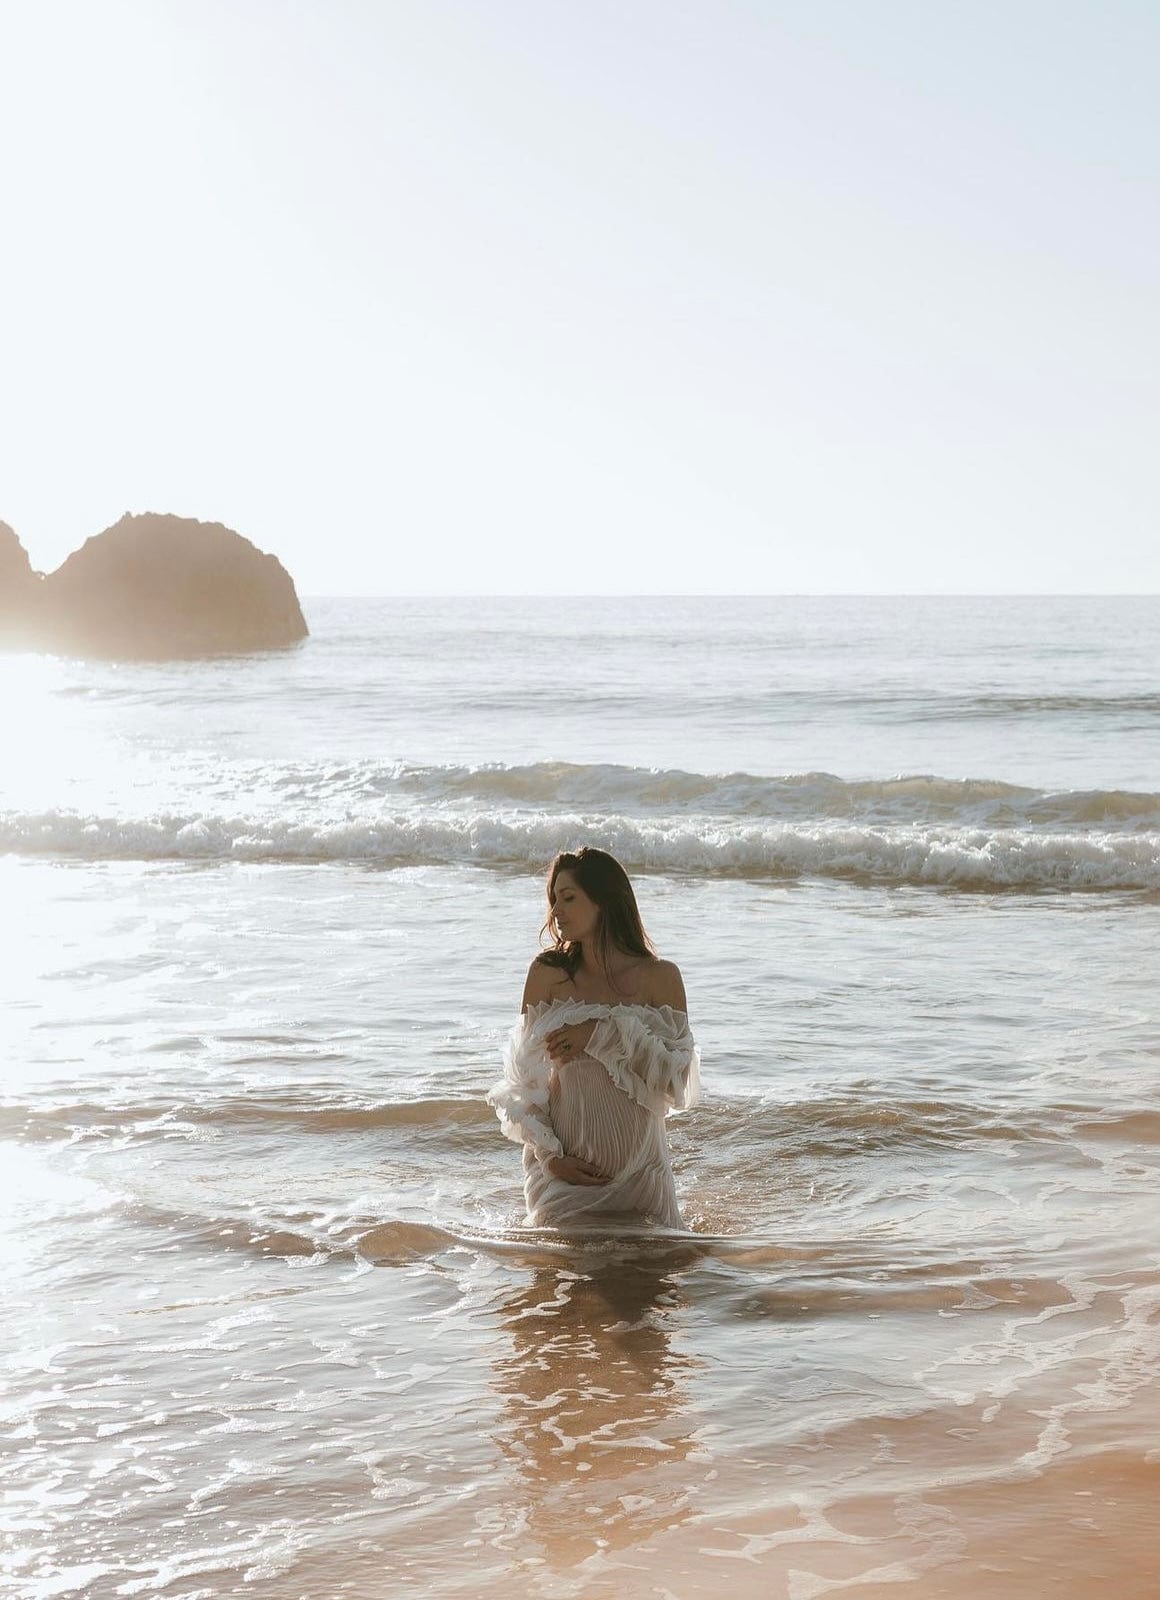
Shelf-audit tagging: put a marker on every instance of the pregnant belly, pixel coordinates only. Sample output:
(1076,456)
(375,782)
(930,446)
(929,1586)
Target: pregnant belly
(595,1120)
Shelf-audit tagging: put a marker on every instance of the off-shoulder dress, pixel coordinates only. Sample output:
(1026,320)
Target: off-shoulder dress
(608,1107)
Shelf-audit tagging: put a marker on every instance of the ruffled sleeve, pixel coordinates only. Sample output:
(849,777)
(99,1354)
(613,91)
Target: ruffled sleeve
(654,1061)
(520,1099)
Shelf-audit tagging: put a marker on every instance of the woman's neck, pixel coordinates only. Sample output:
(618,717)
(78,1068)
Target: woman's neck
(590,975)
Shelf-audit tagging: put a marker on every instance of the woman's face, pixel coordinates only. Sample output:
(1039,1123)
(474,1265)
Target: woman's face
(575,915)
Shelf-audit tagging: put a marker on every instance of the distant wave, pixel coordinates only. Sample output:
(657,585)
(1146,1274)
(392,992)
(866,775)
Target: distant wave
(976,857)
(1037,705)
(608,786)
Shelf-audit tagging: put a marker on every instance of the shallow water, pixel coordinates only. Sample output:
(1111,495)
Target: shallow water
(273,1325)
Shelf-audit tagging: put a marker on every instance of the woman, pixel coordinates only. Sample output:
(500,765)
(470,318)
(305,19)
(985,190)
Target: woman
(600,1055)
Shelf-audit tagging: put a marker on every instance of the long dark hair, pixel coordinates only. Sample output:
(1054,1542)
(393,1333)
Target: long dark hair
(618,924)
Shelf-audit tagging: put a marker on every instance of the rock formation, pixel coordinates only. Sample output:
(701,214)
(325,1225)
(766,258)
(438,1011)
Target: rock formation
(20,590)
(151,588)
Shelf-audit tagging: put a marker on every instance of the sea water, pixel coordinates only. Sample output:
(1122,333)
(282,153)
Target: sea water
(273,1325)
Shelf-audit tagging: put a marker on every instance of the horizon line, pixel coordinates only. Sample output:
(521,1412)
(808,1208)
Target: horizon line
(728,594)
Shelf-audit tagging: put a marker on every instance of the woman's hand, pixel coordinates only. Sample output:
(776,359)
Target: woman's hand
(570,1169)
(569,1043)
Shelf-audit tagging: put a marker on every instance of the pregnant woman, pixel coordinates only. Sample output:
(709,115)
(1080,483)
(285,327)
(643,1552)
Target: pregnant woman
(599,1057)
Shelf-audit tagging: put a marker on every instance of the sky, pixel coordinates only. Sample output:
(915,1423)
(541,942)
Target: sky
(606,296)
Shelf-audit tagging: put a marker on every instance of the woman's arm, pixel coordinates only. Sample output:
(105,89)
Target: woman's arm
(571,1041)
(521,1099)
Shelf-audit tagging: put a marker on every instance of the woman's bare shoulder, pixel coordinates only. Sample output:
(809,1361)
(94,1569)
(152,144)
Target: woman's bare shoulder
(543,983)
(666,987)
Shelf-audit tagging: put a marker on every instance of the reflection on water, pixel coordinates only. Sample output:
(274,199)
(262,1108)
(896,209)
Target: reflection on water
(594,1413)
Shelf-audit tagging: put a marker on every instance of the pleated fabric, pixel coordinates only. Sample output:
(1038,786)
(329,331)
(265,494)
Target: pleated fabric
(608,1107)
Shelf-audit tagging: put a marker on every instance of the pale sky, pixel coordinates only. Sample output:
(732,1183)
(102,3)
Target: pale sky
(600,296)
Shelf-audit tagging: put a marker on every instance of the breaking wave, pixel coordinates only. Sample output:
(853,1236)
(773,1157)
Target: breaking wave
(976,856)
(317,787)
(910,797)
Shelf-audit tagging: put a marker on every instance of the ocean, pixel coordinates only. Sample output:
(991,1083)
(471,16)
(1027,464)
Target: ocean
(273,1325)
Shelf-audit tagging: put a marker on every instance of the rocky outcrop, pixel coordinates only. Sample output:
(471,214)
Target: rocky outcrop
(20,590)
(153,588)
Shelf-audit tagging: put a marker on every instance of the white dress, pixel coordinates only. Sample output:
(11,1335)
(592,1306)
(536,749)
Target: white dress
(607,1107)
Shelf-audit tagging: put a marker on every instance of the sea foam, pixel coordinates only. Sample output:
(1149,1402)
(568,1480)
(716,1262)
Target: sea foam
(891,853)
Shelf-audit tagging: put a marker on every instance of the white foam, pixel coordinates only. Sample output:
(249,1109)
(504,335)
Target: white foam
(914,854)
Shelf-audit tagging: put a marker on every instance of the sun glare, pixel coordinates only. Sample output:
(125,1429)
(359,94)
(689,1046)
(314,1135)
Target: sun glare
(56,754)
